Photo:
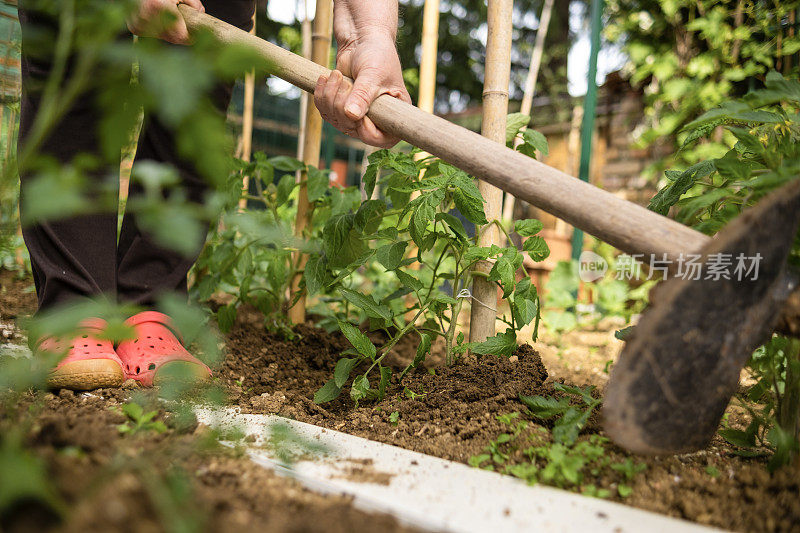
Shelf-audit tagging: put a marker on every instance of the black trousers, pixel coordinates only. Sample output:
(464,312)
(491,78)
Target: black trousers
(81,256)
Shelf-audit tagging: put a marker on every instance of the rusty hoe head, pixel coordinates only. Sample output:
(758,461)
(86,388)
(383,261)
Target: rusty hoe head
(681,365)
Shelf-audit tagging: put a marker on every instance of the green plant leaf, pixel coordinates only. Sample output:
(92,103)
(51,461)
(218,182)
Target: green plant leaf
(504,269)
(318,183)
(327,392)
(422,215)
(342,371)
(785,446)
(409,281)
(470,205)
(315,274)
(680,184)
(360,390)
(514,123)
(133,411)
(545,407)
(738,437)
(454,224)
(376,160)
(537,248)
(226,316)
(422,351)
(567,428)
(624,334)
(369,216)
(285,187)
(525,304)
(359,341)
(391,255)
(533,141)
(502,344)
(341,241)
(528,227)
(287,164)
(368,304)
(584,394)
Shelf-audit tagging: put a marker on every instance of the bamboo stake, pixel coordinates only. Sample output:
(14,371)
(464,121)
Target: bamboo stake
(427,84)
(247,122)
(320,54)
(530,87)
(305,98)
(495,109)
(430,49)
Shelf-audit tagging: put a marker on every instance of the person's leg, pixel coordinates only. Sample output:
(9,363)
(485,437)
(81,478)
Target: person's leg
(72,257)
(145,270)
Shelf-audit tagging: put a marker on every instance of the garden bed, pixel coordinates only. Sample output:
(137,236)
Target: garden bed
(449,413)
(454,417)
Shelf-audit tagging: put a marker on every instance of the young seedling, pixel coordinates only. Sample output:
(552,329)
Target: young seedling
(139,421)
(571,419)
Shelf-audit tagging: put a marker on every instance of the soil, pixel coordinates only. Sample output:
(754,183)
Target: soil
(453,415)
(179,479)
(109,480)
(99,479)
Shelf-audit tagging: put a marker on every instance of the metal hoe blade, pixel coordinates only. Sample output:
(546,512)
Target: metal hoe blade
(677,373)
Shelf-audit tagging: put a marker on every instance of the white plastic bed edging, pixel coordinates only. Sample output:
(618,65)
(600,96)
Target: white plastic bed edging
(433,494)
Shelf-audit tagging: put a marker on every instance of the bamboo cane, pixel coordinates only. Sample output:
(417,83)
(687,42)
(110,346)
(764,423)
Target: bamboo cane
(530,87)
(430,49)
(427,86)
(630,227)
(305,98)
(495,110)
(320,52)
(247,122)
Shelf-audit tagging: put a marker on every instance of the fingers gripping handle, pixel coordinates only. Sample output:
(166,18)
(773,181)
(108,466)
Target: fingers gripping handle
(625,225)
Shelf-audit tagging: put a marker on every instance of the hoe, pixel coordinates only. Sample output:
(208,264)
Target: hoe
(682,363)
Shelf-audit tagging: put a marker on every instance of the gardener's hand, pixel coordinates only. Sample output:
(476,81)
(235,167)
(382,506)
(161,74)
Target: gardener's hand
(367,54)
(161,19)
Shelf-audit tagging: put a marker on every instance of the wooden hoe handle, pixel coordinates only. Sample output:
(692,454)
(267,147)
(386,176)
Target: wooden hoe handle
(625,225)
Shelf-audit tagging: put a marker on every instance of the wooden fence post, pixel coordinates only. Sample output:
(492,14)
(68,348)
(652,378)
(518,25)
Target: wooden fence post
(320,54)
(530,88)
(495,110)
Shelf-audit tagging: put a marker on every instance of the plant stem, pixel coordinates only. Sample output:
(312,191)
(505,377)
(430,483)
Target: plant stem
(789,410)
(396,339)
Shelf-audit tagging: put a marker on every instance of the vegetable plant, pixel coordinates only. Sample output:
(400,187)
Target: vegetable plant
(418,231)
(251,255)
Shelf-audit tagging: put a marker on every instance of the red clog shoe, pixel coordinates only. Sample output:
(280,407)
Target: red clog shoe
(156,353)
(90,363)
